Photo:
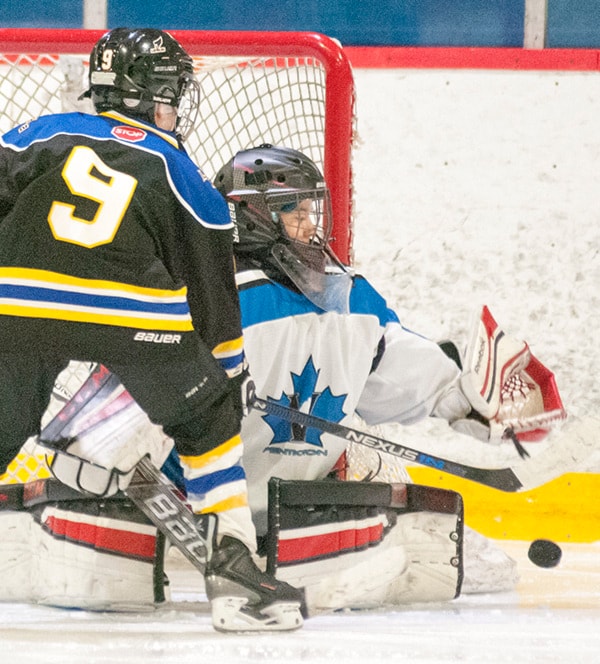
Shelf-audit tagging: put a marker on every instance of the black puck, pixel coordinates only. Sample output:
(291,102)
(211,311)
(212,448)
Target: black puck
(544,553)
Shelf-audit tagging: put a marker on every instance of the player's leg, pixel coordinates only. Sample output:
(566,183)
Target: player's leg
(190,398)
(193,402)
(26,383)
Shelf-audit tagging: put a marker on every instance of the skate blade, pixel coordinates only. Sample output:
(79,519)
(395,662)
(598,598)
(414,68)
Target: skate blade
(231,614)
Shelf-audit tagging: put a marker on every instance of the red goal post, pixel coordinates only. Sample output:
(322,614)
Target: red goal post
(285,88)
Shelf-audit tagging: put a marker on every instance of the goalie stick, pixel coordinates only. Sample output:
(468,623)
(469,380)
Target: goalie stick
(153,493)
(579,445)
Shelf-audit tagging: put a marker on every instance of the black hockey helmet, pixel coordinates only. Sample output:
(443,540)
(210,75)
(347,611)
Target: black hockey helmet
(261,183)
(280,206)
(133,70)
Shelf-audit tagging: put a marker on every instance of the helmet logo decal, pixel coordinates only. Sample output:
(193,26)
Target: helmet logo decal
(293,439)
(103,78)
(107,59)
(232,214)
(157,46)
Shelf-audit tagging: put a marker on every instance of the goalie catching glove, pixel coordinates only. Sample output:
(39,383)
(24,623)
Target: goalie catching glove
(510,391)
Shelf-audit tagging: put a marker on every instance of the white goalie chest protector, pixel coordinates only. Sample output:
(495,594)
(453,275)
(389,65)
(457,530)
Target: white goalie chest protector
(322,362)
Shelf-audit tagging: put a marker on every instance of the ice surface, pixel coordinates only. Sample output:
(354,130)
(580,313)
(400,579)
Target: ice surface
(551,617)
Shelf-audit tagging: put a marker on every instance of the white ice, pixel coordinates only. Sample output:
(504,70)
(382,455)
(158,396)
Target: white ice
(471,188)
(551,617)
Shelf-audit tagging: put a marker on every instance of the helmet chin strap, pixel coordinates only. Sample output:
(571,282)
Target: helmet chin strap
(334,259)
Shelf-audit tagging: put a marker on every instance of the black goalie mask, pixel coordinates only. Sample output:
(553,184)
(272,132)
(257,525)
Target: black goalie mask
(281,209)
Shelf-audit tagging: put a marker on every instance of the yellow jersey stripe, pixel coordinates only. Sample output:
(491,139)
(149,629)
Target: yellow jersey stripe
(102,318)
(227,504)
(214,455)
(48,279)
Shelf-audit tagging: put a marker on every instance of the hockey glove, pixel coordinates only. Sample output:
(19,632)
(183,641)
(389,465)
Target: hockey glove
(241,386)
(514,396)
(490,359)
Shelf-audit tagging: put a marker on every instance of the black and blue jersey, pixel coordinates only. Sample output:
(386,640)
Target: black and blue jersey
(106,222)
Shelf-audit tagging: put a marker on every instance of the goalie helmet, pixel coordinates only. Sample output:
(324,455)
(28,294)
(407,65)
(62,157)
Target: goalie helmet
(132,71)
(280,206)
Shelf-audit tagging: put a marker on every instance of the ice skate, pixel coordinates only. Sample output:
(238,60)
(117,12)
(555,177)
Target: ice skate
(245,599)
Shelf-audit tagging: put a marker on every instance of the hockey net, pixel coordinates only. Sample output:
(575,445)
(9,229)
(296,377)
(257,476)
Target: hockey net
(292,89)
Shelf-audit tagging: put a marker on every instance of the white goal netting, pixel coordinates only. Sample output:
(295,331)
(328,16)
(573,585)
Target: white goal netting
(245,101)
(287,95)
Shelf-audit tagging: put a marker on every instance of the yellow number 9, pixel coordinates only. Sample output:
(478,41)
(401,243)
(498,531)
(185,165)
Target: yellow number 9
(112,191)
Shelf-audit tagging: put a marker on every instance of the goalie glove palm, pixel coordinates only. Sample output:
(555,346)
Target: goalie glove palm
(491,358)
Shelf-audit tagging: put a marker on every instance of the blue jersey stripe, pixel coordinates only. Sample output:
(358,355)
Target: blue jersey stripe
(200,486)
(231,362)
(92,300)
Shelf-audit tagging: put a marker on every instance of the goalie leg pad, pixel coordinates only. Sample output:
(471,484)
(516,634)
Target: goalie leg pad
(487,569)
(84,554)
(361,545)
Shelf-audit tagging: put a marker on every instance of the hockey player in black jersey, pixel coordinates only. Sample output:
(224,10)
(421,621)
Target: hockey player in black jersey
(115,248)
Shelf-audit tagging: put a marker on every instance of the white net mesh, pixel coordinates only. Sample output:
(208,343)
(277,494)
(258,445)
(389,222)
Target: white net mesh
(245,101)
(262,100)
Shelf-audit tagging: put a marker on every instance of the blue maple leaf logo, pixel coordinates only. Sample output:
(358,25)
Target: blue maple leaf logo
(322,404)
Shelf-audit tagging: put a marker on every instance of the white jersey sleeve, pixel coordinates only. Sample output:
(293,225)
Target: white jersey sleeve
(412,375)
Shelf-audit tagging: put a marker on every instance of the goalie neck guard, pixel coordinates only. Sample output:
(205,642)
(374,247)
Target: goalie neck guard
(280,206)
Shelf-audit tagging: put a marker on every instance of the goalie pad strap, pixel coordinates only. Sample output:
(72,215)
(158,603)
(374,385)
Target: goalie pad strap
(26,496)
(333,492)
(49,491)
(409,497)
(38,492)
(11,497)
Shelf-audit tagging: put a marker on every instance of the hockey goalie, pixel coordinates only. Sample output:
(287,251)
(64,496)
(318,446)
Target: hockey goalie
(320,339)
(346,544)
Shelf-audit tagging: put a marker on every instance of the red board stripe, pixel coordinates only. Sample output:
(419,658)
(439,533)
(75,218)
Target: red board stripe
(433,57)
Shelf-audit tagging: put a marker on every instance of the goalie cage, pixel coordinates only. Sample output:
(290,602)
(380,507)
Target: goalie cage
(285,88)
